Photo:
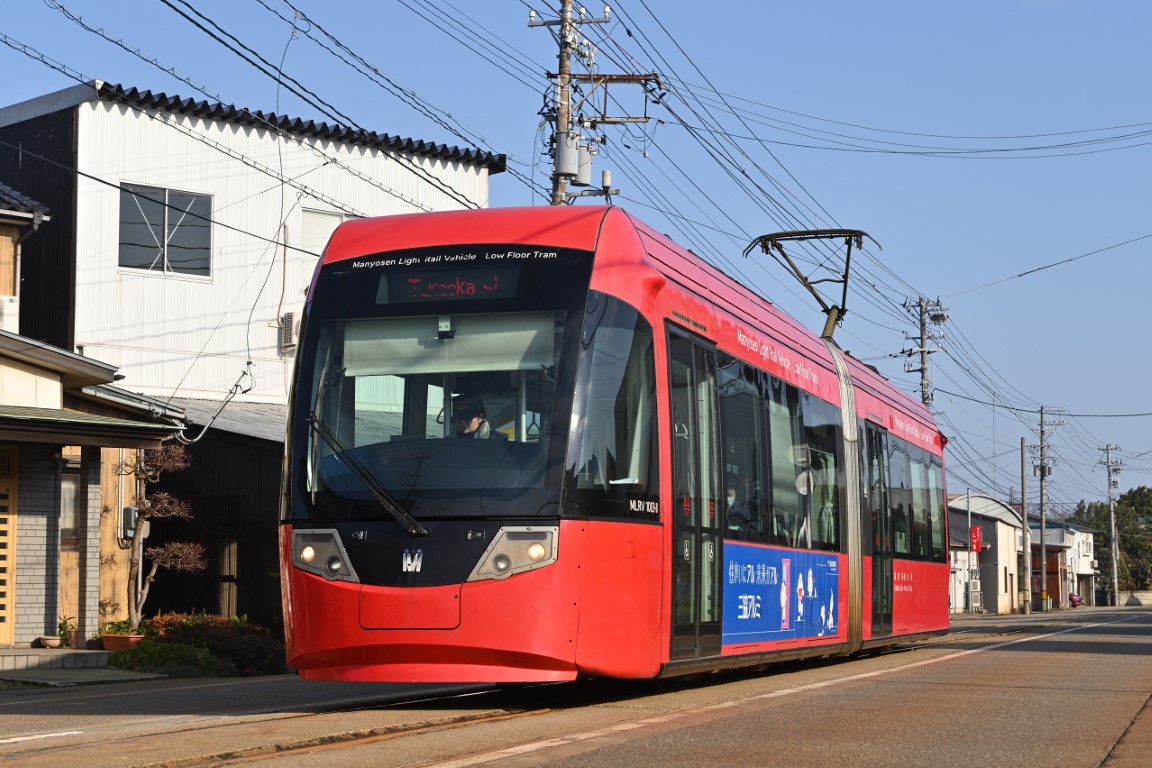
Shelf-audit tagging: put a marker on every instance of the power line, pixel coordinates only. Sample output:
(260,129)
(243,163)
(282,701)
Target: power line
(1055,264)
(1075,415)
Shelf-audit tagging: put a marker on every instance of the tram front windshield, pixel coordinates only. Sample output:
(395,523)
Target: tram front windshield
(438,401)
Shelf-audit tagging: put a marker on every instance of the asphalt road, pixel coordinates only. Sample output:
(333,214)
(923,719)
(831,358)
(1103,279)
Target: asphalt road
(1064,689)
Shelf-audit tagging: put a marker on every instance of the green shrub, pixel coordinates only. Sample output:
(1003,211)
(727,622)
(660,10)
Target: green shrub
(172,659)
(251,649)
(122,627)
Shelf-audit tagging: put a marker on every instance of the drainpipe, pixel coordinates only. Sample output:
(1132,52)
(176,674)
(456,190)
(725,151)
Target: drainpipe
(37,218)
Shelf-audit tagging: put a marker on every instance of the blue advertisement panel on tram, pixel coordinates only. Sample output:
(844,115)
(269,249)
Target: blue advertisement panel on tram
(773,594)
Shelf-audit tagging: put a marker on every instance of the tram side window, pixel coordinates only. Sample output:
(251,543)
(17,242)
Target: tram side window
(937,515)
(789,514)
(615,473)
(920,503)
(821,425)
(741,417)
(900,497)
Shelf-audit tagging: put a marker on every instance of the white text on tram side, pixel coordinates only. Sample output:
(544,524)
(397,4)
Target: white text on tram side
(768,352)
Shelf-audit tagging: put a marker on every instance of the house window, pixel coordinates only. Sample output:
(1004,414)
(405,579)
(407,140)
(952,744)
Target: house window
(70,502)
(165,231)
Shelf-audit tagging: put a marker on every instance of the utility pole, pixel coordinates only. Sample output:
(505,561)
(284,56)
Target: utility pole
(1026,543)
(1114,470)
(934,312)
(572,151)
(1044,469)
(563,96)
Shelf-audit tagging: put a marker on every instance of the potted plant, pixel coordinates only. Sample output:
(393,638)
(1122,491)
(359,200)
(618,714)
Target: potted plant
(119,635)
(66,630)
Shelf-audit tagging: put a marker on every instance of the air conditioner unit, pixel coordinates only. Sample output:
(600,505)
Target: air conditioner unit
(10,314)
(288,331)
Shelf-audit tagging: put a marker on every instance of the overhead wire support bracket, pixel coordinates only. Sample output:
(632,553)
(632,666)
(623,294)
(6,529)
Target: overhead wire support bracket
(772,245)
(598,80)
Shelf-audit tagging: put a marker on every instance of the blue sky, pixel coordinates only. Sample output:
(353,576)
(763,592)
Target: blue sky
(974,141)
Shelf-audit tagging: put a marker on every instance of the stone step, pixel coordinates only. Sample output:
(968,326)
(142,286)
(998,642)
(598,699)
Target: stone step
(43,658)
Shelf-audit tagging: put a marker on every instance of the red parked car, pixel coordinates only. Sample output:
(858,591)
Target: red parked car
(1075,600)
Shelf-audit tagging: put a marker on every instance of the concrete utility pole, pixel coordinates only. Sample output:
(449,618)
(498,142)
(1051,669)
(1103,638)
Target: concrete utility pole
(573,152)
(934,312)
(973,572)
(1026,543)
(563,99)
(1114,470)
(1044,469)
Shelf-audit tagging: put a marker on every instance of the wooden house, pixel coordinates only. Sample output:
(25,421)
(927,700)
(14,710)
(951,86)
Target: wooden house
(64,428)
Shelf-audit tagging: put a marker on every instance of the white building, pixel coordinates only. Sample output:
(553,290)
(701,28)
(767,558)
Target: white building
(186,231)
(987,578)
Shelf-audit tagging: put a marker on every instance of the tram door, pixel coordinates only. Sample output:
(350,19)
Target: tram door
(876,483)
(697,491)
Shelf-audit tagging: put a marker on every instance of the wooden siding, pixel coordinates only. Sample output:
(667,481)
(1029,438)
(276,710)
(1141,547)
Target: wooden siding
(8,236)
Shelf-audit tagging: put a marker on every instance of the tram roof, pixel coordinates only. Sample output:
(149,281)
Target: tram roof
(581,228)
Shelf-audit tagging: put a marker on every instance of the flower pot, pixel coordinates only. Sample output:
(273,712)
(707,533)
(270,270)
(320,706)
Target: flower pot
(50,641)
(74,639)
(121,642)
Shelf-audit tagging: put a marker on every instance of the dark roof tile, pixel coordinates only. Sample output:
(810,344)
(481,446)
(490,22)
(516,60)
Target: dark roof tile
(12,200)
(308,128)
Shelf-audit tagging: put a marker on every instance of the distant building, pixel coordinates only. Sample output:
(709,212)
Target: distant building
(1074,569)
(990,578)
(987,578)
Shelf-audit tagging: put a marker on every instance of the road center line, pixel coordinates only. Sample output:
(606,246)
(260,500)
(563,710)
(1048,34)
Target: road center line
(18,739)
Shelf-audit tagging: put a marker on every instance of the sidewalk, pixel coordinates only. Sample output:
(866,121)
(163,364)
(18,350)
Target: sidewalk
(62,667)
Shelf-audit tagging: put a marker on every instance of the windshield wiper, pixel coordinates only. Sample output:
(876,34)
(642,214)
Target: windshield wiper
(370,482)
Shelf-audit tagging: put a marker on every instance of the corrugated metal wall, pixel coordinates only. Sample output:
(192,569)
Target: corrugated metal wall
(192,336)
(36,158)
(233,485)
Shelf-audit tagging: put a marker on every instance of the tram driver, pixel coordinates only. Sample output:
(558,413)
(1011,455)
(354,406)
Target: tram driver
(471,420)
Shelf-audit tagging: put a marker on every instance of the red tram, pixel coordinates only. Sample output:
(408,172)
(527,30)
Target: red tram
(659,473)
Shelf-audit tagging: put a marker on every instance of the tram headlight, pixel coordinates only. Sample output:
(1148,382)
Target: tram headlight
(321,552)
(516,549)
